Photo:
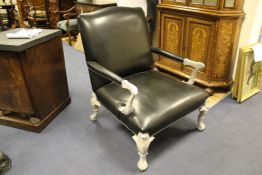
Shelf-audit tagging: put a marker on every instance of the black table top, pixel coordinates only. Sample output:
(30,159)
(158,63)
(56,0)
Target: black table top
(18,45)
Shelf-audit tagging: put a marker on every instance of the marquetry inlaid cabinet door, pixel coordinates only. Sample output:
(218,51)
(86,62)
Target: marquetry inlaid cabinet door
(199,43)
(171,37)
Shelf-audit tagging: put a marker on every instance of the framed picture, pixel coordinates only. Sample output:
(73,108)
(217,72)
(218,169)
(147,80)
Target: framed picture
(248,75)
(260,36)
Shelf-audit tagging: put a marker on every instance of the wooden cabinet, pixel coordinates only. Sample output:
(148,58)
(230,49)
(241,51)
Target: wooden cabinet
(201,30)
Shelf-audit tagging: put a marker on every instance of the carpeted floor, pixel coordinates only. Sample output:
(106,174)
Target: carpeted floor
(73,145)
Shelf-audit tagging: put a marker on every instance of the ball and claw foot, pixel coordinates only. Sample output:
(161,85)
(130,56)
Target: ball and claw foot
(95,105)
(142,143)
(201,127)
(142,164)
(93,116)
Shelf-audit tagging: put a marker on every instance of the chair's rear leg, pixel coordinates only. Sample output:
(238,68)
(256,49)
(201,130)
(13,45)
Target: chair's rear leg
(95,105)
(202,114)
(142,142)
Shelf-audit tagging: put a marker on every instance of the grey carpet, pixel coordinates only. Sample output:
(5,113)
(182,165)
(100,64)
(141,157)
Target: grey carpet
(73,145)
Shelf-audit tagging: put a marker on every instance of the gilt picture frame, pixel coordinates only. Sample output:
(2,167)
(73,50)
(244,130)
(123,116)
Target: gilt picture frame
(249,74)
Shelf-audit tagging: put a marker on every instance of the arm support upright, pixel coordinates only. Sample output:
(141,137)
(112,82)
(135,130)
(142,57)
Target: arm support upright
(187,62)
(196,65)
(99,69)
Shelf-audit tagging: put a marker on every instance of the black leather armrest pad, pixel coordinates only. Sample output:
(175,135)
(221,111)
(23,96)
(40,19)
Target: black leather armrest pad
(99,69)
(166,54)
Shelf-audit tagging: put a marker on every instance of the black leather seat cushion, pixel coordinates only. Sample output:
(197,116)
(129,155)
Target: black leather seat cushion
(161,100)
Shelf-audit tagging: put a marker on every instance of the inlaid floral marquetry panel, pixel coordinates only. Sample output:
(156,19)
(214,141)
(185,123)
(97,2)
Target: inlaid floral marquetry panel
(200,40)
(199,43)
(172,36)
(172,39)
(224,50)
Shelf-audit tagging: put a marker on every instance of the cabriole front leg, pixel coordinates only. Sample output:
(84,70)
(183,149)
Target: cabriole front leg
(202,114)
(95,105)
(142,142)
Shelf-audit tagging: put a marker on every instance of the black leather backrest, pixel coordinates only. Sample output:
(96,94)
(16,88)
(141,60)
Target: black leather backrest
(118,39)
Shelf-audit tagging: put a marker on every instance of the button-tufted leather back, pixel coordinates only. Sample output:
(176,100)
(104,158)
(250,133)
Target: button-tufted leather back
(118,39)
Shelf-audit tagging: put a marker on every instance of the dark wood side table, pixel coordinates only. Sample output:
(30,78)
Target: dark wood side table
(33,82)
(86,6)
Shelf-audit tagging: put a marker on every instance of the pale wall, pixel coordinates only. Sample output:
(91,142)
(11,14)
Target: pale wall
(251,26)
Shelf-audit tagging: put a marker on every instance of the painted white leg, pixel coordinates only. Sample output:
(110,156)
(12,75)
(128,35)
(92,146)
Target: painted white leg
(142,143)
(202,114)
(95,105)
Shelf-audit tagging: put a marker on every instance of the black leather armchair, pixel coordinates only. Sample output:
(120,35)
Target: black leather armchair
(119,57)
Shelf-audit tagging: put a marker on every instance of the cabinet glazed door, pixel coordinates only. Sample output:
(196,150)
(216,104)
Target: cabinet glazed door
(200,44)
(172,36)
